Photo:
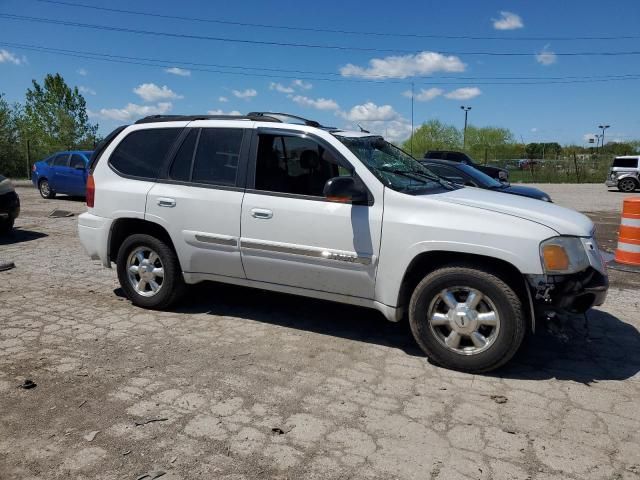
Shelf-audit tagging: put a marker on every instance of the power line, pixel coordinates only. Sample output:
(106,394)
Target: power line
(311,72)
(330,30)
(162,63)
(289,44)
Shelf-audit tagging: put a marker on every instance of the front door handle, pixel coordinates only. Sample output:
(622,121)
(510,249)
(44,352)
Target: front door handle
(166,202)
(261,213)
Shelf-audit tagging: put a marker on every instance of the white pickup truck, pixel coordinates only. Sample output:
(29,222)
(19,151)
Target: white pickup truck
(276,202)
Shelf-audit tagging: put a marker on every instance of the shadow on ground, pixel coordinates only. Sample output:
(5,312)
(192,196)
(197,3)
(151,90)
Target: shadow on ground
(604,349)
(18,235)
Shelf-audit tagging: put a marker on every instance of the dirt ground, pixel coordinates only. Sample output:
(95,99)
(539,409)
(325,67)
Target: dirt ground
(244,384)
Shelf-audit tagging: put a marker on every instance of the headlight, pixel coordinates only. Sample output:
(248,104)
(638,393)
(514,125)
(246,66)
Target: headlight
(546,198)
(561,255)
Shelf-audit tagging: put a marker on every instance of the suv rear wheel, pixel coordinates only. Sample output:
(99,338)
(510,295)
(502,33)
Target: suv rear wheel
(149,272)
(466,319)
(627,184)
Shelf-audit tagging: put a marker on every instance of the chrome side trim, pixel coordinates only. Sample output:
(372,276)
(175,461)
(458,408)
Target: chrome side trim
(229,241)
(307,252)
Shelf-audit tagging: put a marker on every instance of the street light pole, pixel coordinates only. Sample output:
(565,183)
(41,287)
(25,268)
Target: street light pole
(464,135)
(603,128)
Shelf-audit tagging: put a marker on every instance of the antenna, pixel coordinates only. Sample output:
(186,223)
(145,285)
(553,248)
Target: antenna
(362,129)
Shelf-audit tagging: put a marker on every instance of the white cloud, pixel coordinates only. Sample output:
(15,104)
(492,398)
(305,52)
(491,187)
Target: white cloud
(425,94)
(546,57)
(507,21)
(7,56)
(423,63)
(464,93)
(301,84)
(86,90)
(534,129)
(132,111)
(182,72)
(319,103)
(223,99)
(370,112)
(82,71)
(221,112)
(150,92)
(280,88)
(246,94)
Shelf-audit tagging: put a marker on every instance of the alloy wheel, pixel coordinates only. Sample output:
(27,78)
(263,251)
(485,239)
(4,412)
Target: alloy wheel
(145,271)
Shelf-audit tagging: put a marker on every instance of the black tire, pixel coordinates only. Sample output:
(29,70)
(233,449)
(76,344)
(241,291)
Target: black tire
(627,185)
(45,189)
(6,226)
(512,322)
(172,287)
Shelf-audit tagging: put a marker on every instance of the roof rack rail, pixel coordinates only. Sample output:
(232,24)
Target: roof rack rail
(190,118)
(305,121)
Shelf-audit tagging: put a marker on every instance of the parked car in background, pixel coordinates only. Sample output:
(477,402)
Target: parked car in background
(62,172)
(500,174)
(298,208)
(9,205)
(463,174)
(624,173)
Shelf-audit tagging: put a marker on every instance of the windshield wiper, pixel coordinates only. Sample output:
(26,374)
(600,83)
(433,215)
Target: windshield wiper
(403,173)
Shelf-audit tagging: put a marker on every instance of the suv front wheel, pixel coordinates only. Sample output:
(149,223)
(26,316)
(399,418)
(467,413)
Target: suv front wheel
(466,319)
(149,272)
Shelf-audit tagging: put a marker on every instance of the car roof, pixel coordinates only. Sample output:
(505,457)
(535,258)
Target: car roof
(636,157)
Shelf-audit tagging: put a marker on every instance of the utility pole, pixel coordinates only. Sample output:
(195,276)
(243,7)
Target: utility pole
(411,137)
(464,135)
(603,128)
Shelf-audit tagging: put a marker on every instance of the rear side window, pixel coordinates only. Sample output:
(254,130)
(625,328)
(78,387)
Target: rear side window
(625,162)
(217,154)
(142,152)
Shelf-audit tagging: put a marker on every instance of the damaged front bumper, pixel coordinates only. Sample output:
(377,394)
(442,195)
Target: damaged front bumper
(573,293)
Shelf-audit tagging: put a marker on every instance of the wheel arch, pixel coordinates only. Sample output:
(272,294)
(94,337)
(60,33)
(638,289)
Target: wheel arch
(124,227)
(427,262)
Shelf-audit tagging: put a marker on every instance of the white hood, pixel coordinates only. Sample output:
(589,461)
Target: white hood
(563,220)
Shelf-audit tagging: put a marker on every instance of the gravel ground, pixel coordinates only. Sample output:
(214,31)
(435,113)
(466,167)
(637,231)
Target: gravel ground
(244,384)
(585,197)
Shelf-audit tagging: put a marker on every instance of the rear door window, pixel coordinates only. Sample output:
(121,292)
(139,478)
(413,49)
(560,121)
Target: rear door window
(61,160)
(217,154)
(625,162)
(181,167)
(143,152)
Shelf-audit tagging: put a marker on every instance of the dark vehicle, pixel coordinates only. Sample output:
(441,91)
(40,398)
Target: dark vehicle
(500,174)
(463,174)
(9,205)
(62,172)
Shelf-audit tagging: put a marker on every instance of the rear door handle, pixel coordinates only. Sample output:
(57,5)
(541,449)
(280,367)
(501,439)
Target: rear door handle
(261,213)
(166,202)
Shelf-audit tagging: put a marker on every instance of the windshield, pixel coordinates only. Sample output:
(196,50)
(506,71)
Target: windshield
(480,177)
(395,168)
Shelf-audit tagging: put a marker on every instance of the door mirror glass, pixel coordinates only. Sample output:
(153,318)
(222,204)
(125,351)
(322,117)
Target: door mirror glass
(345,190)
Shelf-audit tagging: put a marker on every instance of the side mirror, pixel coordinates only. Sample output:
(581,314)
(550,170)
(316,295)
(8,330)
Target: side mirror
(345,190)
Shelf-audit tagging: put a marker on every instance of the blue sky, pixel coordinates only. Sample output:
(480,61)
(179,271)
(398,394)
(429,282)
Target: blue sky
(445,73)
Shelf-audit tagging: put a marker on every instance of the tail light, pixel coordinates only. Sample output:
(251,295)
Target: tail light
(91,191)
(33,168)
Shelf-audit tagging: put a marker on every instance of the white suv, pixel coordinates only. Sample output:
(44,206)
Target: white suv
(281,203)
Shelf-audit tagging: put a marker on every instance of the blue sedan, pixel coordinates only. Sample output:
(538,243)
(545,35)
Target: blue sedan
(62,172)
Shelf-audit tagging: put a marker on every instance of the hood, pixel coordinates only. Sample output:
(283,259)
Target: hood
(563,220)
(525,191)
(5,186)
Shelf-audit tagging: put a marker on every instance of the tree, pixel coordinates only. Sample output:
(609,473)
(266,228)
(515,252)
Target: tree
(433,135)
(11,157)
(490,142)
(55,117)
